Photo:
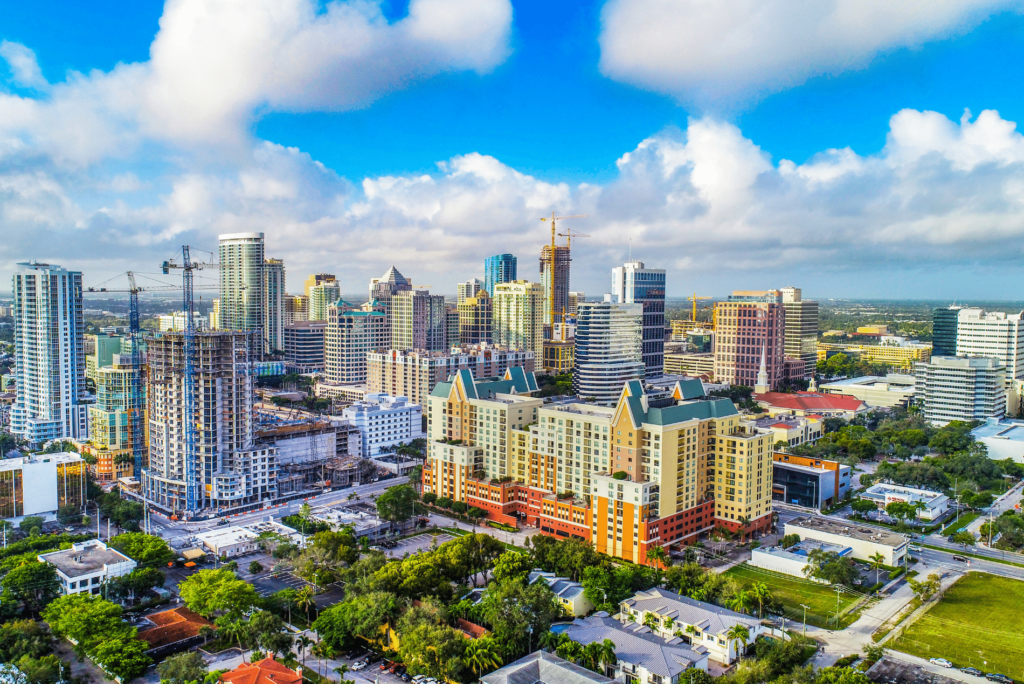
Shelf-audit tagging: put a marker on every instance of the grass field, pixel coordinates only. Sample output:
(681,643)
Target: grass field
(981,618)
(965,520)
(820,599)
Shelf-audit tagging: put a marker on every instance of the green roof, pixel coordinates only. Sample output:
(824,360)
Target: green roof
(680,413)
(691,388)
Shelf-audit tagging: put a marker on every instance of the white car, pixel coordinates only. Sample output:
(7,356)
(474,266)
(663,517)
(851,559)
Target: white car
(419,678)
(361,665)
(942,662)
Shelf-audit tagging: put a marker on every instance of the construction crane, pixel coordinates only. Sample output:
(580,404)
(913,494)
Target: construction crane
(694,298)
(187,266)
(551,276)
(568,235)
(135,396)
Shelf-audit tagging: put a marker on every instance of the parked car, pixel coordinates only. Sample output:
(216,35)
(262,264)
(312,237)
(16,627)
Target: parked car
(386,664)
(996,677)
(373,658)
(419,678)
(358,665)
(405,677)
(961,559)
(972,671)
(950,539)
(942,662)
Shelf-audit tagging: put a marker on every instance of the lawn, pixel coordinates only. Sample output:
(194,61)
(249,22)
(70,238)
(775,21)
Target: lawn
(965,520)
(978,623)
(820,599)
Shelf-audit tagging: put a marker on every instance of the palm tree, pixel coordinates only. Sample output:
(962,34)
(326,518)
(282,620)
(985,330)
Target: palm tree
(570,650)
(322,653)
(652,621)
(658,557)
(304,598)
(762,594)
(482,655)
(693,632)
(598,653)
(304,642)
(740,602)
(876,561)
(206,631)
(739,633)
(668,623)
(743,521)
(340,671)
(552,640)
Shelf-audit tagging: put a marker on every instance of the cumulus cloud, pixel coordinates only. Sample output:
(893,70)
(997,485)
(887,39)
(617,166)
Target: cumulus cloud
(727,52)
(24,67)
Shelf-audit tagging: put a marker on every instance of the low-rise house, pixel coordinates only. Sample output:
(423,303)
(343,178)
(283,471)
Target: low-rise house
(642,656)
(87,565)
(541,667)
(863,541)
(672,614)
(810,403)
(238,540)
(568,594)
(363,522)
(793,560)
(172,630)
(266,671)
(935,503)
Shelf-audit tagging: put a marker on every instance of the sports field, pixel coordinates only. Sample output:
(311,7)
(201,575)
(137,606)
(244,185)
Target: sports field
(978,623)
(820,599)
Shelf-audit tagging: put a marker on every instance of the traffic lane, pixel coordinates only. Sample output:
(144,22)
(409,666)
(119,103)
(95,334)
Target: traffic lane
(945,561)
(923,664)
(943,542)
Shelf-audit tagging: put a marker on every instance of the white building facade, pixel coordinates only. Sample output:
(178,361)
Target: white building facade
(384,421)
(957,388)
(608,349)
(84,567)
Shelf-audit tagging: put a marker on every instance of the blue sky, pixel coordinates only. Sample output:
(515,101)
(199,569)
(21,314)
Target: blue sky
(434,170)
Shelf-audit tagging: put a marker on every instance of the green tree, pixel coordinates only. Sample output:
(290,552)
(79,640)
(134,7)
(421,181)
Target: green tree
(482,656)
(876,561)
(695,676)
(513,609)
(358,616)
(738,633)
(863,506)
(433,650)
(144,549)
(925,589)
(20,638)
(182,668)
(255,567)
(269,632)
(123,657)
(33,585)
(570,650)
(69,515)
(30,522)
(598,654)
(210,591)
(840,675)
(658,557)
(134,584)
(396,503)
(512,566)
(761,595)
(901,511)
(830,566)
(789,540)
(86,619)
(964,538)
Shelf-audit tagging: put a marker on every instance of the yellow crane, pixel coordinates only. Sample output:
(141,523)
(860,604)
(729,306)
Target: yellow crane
(551,276)
(694,298)
(568,235)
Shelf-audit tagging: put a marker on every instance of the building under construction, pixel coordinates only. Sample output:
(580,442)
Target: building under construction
(232,468)
(560,282)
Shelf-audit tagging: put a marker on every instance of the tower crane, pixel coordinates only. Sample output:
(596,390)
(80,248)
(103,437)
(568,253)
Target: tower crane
(551,297)
(187,266)
(135,397)
(694,298)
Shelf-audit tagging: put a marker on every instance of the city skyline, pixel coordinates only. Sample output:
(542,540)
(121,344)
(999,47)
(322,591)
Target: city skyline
(822,170)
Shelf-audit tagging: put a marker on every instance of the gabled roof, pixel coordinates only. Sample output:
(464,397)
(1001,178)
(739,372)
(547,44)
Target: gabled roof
(688,388)
(707,616)
(266,671)
(811,401)
(541,667)
(632,399)
(515,381)
(524,382)
(637,645)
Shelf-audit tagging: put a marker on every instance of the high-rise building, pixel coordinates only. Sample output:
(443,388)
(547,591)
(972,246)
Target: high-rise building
(316,279)
(609,349)
(231,469)
(175,322)
(321,297)
(518,321)
(944,326)
(475,318)
(468,289)
(749,322)
(296,308)
(110,436)
(418,321)
(214,316)
(959,388)
(574,300)
(634,284)
(413,374)
(387,286)
(451,326)
(352,332)
(99,352)
(241,282)
(559,280)
(304,345)
(996,335)
(800,328)
(49,353)
(274,294)
(500,268)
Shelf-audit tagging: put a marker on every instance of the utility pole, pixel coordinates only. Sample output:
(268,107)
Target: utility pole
(805,618)
(839,590)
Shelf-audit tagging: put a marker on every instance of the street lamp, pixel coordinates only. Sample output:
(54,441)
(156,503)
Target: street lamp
(805,618)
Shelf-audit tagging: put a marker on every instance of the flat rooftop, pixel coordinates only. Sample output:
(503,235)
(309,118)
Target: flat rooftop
(84,561)
(879,492)
(811,470)
(800,552)
(1012,430)
(848,528)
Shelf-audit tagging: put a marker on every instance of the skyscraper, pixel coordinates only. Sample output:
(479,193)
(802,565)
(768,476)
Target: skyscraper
(241,282)
(944,326)
(317,278)
(574,299)
(750,322)
(801,328)
(559,281)
(351,333)
(634,284)
(608,350)
(321,297)
(995,335)
(476,315)
(468,289)
(500,268)
(384,288)
(296,308)
(518,321)
(418,321)
(274,294)
(49,353)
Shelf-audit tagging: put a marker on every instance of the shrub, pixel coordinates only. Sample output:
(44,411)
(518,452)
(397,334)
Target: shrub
(790,540)
(460,507)
(895,573)
(444,502)
(620,475)
(430,498)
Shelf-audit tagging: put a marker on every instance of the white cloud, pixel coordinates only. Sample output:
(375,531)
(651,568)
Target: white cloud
(24,67)
(727,52)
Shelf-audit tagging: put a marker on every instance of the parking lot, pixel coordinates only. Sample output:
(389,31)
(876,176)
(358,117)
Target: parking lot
(372,672)
(418,544)
(269,584)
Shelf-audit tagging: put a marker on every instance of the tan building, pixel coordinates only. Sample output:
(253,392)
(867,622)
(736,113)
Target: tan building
(519,316)
(750,324)
(414,373)
(902,356)
(475,317)
(318,279)
(690,364)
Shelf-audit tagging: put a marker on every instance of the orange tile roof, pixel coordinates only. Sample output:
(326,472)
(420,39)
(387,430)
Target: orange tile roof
(807,401)
(172,626)
(266,671)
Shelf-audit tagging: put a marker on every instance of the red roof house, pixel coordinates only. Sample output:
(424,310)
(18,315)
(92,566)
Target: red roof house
(810,403)
(266,671)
